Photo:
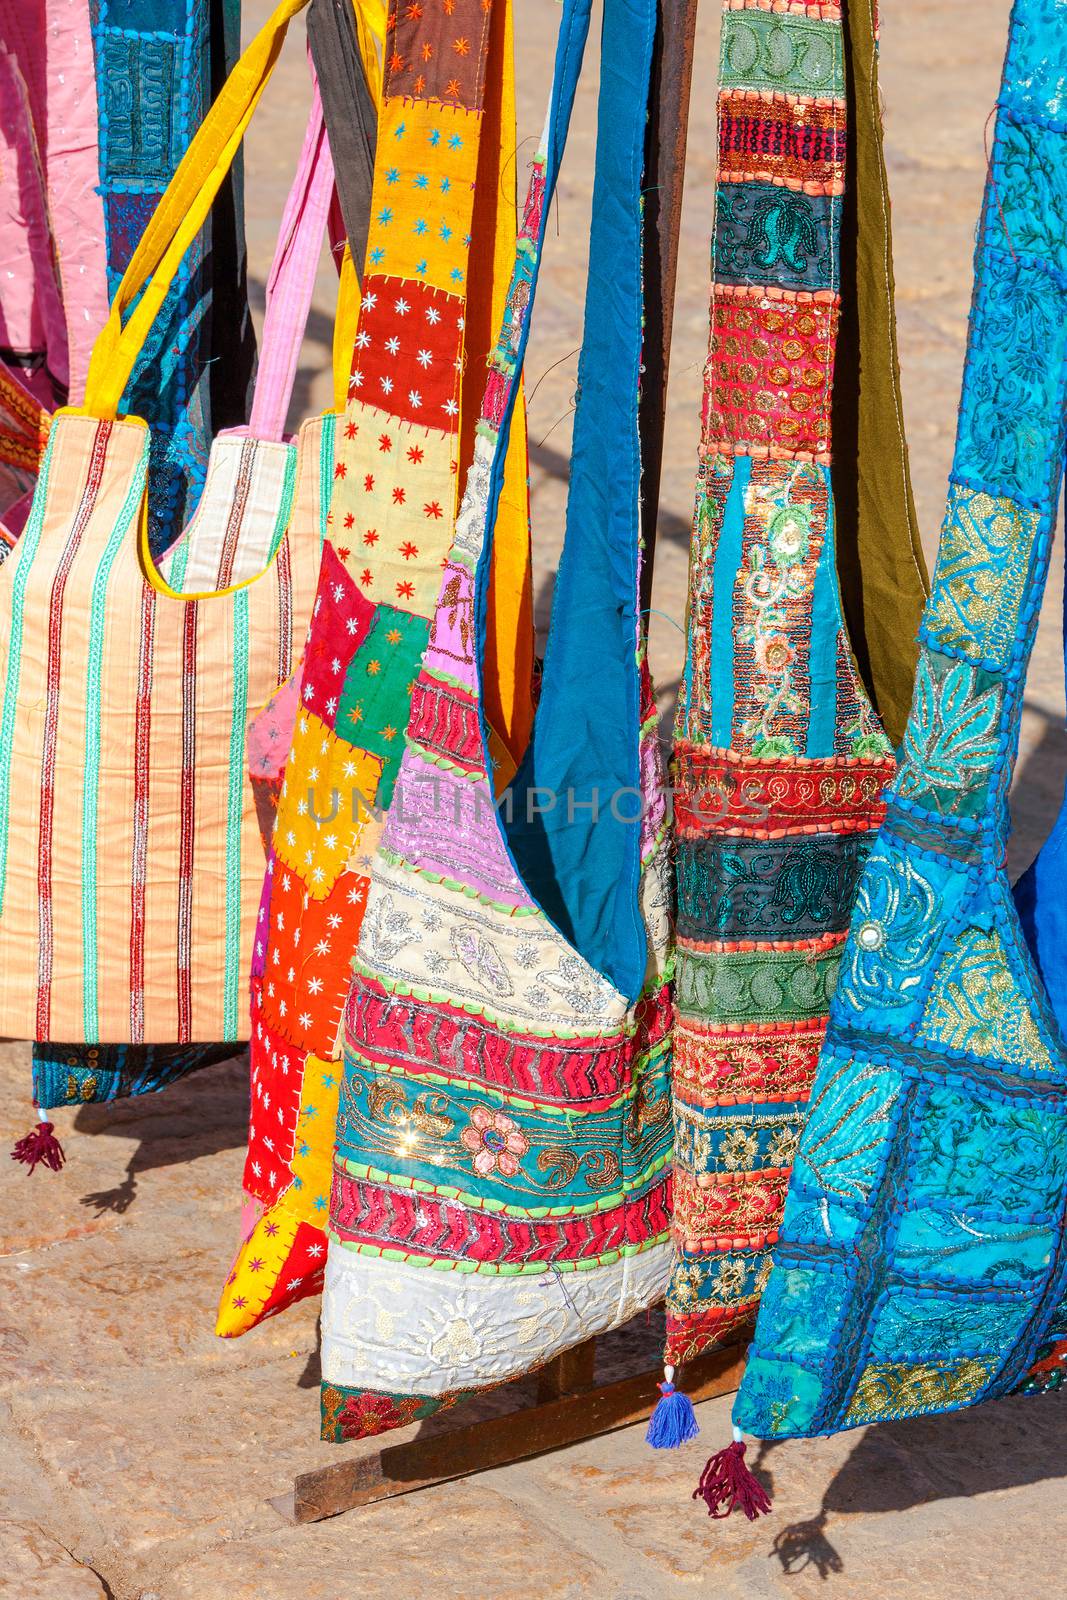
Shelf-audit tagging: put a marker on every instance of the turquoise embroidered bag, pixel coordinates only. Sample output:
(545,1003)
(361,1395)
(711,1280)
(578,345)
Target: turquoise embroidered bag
(922,1263)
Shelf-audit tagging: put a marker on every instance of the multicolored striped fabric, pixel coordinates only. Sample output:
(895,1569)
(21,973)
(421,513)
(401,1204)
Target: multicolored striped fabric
(131,866)
(440,250)
(922,1263)
(780,757)
(501,1179)
(130,862)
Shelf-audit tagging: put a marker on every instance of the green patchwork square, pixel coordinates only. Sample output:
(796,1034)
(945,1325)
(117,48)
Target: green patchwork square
(375,699)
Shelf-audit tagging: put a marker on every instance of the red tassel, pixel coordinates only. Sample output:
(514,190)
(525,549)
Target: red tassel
(41,1147)
(726,1482)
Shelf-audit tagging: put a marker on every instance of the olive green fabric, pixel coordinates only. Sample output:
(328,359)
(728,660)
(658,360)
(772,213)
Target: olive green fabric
(881,568)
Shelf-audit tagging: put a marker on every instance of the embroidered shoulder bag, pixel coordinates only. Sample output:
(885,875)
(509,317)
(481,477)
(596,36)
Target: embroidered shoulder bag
(780,756)
(501,1171)
(922,1263)
(131,866)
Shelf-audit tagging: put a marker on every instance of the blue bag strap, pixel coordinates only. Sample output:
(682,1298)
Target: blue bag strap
(570,50)
(579,853)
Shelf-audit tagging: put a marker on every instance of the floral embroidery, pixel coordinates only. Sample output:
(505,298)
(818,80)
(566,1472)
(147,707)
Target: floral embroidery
(895,931)
(496,1140)
(891,1389)
(975,1004)
(952,738)
(777,574)
(363,1416)
(982,567)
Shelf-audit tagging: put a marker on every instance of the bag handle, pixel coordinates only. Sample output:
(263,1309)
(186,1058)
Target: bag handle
(345,327)
(343,59)
(180,215)
(291,281)
(585,874)
(350,99)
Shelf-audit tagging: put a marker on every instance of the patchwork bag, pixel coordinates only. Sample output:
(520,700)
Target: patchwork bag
(501,1182)
(130,868)
(780,758)
(439,257)
(922,1263)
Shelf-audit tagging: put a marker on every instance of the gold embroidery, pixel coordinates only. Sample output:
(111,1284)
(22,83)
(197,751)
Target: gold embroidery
(981,573)
(895,1389)
(975,1004)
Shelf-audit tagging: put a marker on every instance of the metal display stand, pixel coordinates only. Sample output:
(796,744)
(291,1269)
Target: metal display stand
(569,1407)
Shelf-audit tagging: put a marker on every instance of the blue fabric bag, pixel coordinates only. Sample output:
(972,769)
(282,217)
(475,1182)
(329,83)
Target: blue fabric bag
(922,1263)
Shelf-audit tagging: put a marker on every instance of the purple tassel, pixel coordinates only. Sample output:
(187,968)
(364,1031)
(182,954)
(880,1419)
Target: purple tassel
(673,1421)
(726,1482)
(40,1148)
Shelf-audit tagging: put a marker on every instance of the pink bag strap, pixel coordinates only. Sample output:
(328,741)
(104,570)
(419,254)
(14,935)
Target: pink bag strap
(292,277)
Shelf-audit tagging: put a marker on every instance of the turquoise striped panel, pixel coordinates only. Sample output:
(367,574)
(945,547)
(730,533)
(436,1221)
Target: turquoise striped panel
(826,625)
(23,557)
(93,713)
(238,721)
(723,583)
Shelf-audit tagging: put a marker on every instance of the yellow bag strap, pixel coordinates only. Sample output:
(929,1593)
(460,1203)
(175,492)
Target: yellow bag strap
(180,215)
(370,26)
(188,199)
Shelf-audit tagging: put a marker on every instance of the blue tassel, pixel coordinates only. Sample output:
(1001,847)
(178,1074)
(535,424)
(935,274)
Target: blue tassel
(673,1422)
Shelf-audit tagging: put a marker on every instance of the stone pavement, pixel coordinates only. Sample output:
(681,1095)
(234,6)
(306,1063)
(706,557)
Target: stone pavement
(138,1454)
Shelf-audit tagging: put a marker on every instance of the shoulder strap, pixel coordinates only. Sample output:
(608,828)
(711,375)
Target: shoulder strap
(180,215)
(350,106)
(581,858)
(292,277)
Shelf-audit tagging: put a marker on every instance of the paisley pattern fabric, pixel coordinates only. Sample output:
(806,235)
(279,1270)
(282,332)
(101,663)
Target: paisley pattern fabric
(780,759)
(501,1173)
(922,1264)
(440,246)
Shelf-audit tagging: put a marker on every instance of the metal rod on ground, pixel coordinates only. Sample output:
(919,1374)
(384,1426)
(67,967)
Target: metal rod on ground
(668,123)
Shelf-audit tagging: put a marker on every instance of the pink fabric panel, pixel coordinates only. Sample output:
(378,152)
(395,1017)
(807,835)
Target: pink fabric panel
(51,43)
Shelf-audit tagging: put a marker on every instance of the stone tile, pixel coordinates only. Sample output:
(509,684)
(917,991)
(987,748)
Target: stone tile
(170,1458)
(450,1543)
(34,1567)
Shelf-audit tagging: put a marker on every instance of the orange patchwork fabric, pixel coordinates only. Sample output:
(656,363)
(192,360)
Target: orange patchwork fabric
(442,229)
